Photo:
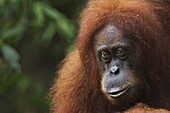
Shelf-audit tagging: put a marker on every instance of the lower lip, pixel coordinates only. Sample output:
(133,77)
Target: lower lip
(120,93)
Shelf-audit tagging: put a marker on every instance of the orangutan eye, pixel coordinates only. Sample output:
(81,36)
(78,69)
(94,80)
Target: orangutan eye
(105,56)
(121,53)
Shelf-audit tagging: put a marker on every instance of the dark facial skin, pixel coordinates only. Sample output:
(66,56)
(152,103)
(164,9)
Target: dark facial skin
(115,54)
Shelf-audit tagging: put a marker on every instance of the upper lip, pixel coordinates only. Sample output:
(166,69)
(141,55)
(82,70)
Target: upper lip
(117,91)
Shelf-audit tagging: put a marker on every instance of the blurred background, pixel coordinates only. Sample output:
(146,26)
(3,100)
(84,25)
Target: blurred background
(35,35)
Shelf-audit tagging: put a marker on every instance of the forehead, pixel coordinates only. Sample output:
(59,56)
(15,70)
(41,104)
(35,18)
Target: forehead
(108,35)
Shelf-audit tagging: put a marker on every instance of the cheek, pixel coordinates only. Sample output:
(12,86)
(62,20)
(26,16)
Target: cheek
(100,64)
(106,81)
(104,67)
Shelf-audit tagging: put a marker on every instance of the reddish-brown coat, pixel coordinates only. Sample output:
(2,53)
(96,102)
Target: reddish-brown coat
(77,88)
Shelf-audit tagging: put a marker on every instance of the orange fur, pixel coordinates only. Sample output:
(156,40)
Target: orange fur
(77,88)
(141,108)
(75,96)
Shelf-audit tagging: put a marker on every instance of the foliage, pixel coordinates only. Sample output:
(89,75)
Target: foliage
(40,23)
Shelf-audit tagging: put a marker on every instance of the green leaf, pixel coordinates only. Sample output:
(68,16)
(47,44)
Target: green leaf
(11,56)
(22,84)
(63,25)
(48,34)
(2,3)
(14,2)
(39,16)
(15,31)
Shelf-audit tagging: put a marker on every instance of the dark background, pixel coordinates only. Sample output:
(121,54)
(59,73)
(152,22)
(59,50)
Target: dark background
(35,35)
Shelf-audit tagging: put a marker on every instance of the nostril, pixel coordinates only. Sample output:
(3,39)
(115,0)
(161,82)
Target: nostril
(115,70)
